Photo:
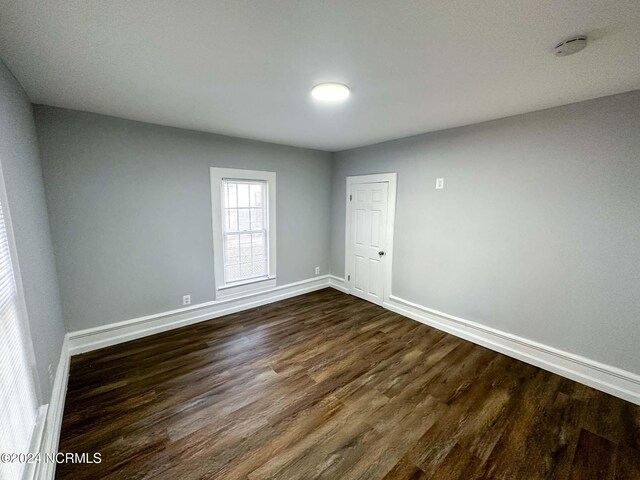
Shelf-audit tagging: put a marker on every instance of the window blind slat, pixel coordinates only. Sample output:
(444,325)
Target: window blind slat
(18,403)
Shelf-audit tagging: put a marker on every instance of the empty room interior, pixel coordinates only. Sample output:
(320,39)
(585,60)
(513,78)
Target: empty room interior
(320,239)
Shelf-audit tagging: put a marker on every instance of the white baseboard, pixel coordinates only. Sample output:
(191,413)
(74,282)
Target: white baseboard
(612,380)
(609,379)
(338,283)
(606,378)
(53,420)
(82,341)
(31,469)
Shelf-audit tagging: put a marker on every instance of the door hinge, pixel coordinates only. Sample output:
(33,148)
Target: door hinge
(350,197)
(348,277)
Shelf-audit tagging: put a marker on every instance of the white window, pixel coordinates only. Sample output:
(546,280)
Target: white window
(18,397)
(245,231)
(243,210)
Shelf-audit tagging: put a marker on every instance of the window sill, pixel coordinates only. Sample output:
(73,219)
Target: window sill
(248,286)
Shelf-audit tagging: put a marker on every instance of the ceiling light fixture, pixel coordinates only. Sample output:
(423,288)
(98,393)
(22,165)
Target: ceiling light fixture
(330,92)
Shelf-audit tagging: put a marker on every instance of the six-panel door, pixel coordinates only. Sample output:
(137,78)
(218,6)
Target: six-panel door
(368,213)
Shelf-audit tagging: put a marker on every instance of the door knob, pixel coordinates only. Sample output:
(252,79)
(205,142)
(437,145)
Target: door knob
(381,253)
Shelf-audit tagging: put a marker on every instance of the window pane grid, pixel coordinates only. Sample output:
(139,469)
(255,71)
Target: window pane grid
(244,230)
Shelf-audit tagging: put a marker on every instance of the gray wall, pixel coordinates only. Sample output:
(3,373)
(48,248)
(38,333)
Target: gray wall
(25,194)
(537,232)
(131,214)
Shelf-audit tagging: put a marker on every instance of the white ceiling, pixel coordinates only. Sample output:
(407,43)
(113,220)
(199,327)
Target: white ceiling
(245,68)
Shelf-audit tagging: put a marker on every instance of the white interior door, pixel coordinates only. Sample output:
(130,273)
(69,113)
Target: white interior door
(368,240)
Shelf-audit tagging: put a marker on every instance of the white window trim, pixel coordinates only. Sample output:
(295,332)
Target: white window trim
(237,289)
(23,319)
(21,302)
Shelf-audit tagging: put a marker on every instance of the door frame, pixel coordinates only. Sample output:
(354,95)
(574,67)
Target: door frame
(392,179)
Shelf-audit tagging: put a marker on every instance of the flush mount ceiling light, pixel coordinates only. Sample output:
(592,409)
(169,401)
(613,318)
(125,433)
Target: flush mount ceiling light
(330,92)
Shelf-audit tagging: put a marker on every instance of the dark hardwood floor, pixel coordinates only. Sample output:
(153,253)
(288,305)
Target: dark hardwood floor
(328,386)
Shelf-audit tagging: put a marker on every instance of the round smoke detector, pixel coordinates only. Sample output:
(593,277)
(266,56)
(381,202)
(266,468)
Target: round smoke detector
(570,46)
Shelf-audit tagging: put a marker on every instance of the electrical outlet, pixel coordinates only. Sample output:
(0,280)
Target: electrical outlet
(186,299)
(317,270)
(50,370)
(439,183)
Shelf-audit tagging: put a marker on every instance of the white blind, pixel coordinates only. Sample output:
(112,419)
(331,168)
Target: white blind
(18,403)
(244,218)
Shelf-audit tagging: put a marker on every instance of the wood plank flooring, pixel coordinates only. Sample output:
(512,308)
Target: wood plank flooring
(325,385)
